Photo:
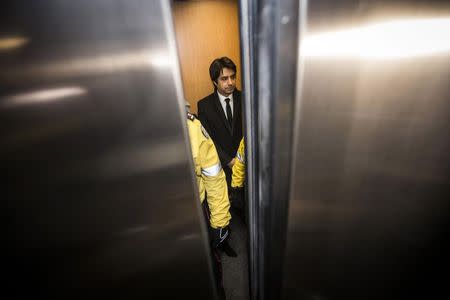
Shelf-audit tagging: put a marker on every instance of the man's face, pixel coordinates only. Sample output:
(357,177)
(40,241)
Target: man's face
(226,83)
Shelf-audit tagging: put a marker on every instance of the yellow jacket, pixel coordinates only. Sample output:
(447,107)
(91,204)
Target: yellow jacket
(238,177)
(209,173)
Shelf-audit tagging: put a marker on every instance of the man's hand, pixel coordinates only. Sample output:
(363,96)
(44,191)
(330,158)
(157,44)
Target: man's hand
(219,236)
(232,162)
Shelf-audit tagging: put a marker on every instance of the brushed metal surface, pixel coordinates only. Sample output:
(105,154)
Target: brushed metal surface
(369,208)
(247,12)
(98,187)
(274,40)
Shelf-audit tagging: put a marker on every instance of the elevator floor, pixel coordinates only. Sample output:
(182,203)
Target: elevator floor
(235,269)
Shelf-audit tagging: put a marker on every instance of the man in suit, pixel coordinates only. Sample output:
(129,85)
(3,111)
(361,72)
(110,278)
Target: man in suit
(221,112)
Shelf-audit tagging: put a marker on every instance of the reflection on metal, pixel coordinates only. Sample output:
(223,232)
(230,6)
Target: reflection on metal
(148,157)
(11,43)
(162,60)
(98,64)
(42,96)
(99,192)
(385,40)
(369,209)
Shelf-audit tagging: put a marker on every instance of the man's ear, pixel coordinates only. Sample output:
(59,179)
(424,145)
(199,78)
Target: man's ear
(215,83)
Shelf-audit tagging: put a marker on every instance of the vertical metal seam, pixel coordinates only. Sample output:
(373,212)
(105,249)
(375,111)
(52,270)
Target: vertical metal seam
(246,14)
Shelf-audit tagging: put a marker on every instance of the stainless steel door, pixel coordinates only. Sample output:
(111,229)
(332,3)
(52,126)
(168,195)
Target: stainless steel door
(369,208)
(269,57)
(98,186)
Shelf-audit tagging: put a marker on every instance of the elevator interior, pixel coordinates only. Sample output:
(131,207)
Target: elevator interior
(347,117)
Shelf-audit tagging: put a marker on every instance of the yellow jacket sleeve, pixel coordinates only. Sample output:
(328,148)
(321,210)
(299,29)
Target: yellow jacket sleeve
(213,178)
(238,177)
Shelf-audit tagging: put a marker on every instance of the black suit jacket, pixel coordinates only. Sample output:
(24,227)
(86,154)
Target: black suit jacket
(212,116)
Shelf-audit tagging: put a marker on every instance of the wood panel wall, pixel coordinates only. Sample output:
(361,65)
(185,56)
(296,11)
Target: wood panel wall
(205,30)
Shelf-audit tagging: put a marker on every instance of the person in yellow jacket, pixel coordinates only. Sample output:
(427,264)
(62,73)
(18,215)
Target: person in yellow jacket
(213,192)
(238,180)
(210,177)
(238,176)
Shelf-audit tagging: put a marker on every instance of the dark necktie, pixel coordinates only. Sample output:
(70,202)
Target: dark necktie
(229,114)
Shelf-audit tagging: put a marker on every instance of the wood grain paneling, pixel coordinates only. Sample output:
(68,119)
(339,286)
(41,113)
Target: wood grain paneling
(205,30)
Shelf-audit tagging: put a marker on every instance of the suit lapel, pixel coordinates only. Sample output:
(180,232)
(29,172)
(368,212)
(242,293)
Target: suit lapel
(221,112)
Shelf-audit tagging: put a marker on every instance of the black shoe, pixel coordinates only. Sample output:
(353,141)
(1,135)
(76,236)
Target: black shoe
(225,247)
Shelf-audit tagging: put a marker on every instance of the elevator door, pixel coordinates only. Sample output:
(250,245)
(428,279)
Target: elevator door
(98,187)
(369,204)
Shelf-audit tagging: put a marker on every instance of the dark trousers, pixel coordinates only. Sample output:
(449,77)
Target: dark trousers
(236,204)
(239,206)
(215,256)
(228,174)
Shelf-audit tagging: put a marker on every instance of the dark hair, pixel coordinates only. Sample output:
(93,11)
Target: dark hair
(217,65)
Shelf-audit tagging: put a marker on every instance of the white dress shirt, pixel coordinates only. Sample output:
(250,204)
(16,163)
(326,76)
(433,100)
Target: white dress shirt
(224,103)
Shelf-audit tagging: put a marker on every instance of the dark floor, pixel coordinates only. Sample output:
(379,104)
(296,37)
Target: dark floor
(235,269)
